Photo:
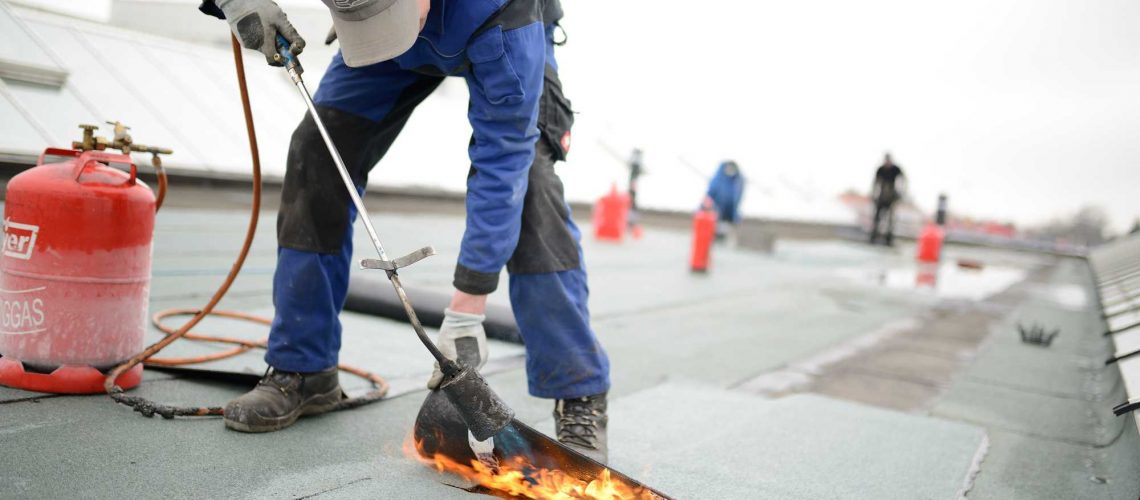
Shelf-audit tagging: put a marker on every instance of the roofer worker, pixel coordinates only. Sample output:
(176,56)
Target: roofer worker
(887,189)
(393,54)
(726,190)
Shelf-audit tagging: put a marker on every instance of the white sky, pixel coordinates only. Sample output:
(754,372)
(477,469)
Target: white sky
(1018,110)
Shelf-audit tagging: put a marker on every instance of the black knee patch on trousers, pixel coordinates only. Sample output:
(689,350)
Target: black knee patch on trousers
(545,242)
(314,203)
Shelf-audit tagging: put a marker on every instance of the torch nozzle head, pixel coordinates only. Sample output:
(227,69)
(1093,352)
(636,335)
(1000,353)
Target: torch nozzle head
(482,410)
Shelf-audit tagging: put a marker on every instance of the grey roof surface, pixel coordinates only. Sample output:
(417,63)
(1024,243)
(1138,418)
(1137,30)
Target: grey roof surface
(1049,409)
(696,441)
(990,418)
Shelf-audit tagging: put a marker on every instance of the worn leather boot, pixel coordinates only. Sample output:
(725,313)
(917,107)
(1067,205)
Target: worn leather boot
(580,424)
(282,397)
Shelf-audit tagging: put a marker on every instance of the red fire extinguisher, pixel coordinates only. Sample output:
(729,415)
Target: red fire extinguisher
(704,231)
(75,272)
(928,254)
(610,215)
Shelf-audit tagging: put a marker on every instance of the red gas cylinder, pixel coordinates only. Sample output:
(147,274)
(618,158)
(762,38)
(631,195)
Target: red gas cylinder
(704,231)
(610,214)
(75,272)
(928,254)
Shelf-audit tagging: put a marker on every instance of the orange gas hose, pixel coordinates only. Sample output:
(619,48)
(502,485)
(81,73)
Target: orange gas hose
(243,345)
(150,408)
(156,162)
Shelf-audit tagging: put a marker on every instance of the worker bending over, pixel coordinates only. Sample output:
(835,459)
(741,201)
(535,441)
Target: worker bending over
(394,54)
(726,189)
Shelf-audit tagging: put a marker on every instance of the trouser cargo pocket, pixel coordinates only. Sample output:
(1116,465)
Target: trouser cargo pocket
(555,116)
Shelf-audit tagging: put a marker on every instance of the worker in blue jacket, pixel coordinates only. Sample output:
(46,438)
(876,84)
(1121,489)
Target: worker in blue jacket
(394,54)
(726,190)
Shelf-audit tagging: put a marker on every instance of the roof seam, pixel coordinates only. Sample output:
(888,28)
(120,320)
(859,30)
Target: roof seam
(68,85)
(35,37)
(146,103)
(25,113)
(210,112)
(126,35)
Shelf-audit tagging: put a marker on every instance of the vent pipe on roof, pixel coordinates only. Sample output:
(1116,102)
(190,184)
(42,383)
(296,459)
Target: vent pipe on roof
(32,73)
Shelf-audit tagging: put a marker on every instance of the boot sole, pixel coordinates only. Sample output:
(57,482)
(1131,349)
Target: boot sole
(321,403)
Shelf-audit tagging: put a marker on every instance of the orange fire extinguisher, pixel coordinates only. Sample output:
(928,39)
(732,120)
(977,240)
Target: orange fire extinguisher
(928,254)
(704,231)
(610,215)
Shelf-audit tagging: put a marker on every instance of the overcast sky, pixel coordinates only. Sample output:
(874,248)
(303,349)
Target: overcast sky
(1020,110)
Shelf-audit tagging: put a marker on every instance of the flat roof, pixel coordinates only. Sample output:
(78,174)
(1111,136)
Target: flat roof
(814,371)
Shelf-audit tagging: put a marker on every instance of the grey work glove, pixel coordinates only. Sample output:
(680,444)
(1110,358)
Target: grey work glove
(257,23)
(461,337)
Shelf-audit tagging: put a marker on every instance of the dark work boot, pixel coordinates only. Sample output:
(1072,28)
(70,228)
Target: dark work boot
(281,397)
(580,424)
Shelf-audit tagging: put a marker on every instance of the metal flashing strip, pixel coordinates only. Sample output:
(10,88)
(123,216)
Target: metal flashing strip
(1121,357)
(32,73)
(1121,329)
(18,158)
(1127,406)
(1116,279)
(43,68)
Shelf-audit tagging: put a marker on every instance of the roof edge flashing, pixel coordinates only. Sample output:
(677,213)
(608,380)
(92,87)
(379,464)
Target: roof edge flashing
(32,73)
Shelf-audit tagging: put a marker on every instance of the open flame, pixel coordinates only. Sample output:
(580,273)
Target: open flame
(516,477)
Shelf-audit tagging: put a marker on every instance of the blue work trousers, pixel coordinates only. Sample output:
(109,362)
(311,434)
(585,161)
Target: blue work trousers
(364,110)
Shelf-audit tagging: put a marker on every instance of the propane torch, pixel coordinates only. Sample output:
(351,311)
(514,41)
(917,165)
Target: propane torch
(482,410)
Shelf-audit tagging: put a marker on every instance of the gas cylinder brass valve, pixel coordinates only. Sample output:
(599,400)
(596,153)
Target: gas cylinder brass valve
(121,141)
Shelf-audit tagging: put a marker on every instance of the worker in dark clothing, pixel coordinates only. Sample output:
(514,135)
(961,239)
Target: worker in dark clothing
(940,214)
(393,55)
(635,171)
(888,188)
(726,190)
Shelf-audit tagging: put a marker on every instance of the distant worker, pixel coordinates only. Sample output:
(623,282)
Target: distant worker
(940,215)
(725,191)
(635,171)
(889,188)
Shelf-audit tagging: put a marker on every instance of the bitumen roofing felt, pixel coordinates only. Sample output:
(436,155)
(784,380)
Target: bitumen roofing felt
(693,410)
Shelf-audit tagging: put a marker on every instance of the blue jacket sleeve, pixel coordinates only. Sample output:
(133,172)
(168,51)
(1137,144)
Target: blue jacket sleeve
(505,80)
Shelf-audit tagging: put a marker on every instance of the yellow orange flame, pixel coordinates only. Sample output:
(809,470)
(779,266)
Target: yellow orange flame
(536,483)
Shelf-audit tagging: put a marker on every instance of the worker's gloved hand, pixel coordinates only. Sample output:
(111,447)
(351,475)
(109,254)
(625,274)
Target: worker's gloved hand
(461,337)
(257,23)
